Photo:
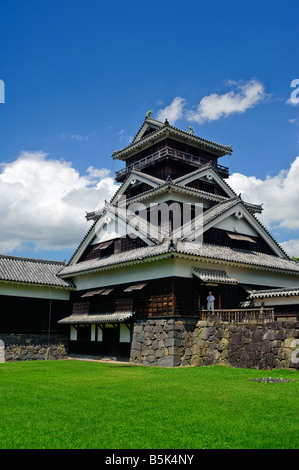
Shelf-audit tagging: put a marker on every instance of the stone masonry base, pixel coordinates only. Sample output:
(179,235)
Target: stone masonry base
(29,347)
(183,342)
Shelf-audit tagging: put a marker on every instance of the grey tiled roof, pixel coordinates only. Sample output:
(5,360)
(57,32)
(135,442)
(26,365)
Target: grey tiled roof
(178,189)
(149,178)
(213,275)
(165,186)
(280,292)
(222,149)
(114,260)
(236,255)
(148,120)
(205,251)
(203,219)
(97,318)
(83,240)
(219,209)
(31,271)
(146,229)
(181,179)
(198,171)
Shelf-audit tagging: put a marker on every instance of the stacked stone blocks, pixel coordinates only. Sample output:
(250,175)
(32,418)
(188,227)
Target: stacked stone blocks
(188,342)
(23,347)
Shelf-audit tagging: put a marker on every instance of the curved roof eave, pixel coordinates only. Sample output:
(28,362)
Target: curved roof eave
(124,153)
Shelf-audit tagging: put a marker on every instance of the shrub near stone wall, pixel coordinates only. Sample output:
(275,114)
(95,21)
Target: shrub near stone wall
(260,346)
(22,347)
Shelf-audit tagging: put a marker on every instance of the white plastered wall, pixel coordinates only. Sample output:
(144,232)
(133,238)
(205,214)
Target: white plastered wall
(181,267)
(233,224)
(273,301)
(38,292)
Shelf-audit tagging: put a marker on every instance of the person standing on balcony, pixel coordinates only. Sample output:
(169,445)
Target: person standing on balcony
(210,301)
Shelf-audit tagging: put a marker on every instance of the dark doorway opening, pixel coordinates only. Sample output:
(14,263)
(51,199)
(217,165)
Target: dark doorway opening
(111,340)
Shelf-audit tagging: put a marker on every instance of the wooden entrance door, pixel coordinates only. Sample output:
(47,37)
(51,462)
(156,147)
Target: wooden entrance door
(111,340)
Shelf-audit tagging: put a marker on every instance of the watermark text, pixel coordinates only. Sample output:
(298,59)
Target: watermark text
(2,91)
(294,98)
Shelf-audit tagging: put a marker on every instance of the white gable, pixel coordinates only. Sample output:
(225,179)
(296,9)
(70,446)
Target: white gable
(108,228)
(149,124)
(232,223)
(133,180)
(238,216)
(207,175)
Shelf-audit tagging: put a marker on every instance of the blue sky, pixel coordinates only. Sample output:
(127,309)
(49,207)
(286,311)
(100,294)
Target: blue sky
(80,75)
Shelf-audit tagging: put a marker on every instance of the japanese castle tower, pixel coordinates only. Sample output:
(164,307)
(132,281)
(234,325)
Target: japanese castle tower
(173,231)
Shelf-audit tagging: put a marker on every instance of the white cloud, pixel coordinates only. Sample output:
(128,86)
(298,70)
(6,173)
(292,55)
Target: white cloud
(291,247)
(43,201)
(79,137)
(279,195)
(95,173)
(291,102)
(172,112)
(121,134)
(215,106)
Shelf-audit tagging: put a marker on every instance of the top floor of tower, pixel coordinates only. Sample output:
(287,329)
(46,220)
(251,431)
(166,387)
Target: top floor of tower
(164,151)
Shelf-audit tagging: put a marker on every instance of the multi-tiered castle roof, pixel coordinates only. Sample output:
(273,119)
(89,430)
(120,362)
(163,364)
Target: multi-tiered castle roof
(164,164)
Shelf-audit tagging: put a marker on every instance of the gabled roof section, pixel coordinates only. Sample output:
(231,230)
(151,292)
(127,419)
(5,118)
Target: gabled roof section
(143,140)
(133,256)
(148,126)
(234,207)
(138,224)
(131,179)
(146,178)
(208,173)
(188,250)
(220,209)
(32,271)
(174,188)
(128,220)
(205,172)
(134,177)
(204,221)
(85,240)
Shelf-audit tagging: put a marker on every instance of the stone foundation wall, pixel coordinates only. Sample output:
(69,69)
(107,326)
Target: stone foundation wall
(27,347)
(170,343)
(165,343)
(261,346)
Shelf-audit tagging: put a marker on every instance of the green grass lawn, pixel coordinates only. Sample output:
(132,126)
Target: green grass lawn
(91,405)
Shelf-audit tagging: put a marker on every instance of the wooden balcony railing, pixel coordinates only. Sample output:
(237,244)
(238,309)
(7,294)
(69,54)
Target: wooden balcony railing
(168,151)
(238,315)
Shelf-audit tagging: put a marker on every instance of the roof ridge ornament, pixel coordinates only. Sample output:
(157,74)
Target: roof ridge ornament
(191,130)
(148,114)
